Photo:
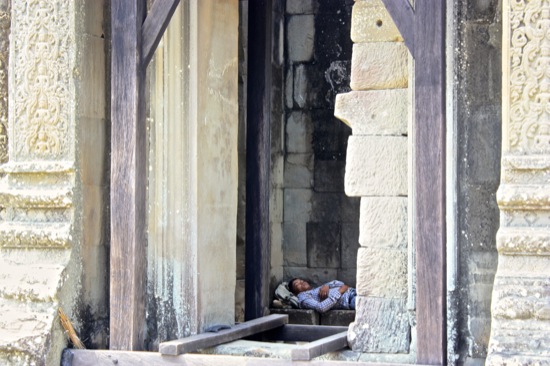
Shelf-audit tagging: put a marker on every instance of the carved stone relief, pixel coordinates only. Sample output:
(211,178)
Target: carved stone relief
(42,77)
(4,59)
(530,76)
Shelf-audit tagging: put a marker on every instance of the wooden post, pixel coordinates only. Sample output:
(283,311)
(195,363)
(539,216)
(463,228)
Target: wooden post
(429,173)
(257,262)
(424,33)
(127,298)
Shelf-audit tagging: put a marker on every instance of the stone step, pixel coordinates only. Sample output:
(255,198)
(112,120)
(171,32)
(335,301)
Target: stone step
(311,317)
(38,197)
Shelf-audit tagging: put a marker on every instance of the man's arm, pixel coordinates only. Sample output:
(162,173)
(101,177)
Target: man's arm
(323,306)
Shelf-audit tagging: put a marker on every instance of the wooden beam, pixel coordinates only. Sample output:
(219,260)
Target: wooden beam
(205,340)
(154,26)
(320,347)
(82,357)
(429,181)
(128,252)
(403,16)
(258,159)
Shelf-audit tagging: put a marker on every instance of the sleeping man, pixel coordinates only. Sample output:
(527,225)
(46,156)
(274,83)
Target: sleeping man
(332,295)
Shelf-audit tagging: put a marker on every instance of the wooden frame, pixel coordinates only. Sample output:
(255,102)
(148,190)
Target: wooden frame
(258,159)
(134,39)
(423,30)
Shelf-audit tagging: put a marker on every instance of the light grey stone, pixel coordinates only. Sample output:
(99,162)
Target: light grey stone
(380,65)
(383,222)
(298,133)
(299,171)
(382,272)
(301,6)
(376,166)
(297,205)
(300,38)
(381,325)
(374,112)
(294,244)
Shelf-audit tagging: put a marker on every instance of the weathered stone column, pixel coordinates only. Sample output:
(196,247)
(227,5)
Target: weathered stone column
(192,176)
(52,187)
(4,58)
(520,329)
(376,170)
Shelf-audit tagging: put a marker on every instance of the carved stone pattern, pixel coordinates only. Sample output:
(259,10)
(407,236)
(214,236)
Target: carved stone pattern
(4,57)
(530,76)
(42,67)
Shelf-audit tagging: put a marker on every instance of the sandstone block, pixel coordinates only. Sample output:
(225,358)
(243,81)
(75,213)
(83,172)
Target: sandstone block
(297,205)
(301,6)
(350,245)
(323,245)
(329,175)
(376,166)
(371,22)
(381,325)
(300,37)
(337,318)
(381,65)
(298,133)
(299,171)
(383,222)
(382,272)
(317,276)
(294,244)
(374,112)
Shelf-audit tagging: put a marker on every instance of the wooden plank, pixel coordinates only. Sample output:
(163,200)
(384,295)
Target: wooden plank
(304,333)
(74,357)
(258,160)
(429,181)
(403,16)
(128,145)
(154,26)
(205,340)
(320,347)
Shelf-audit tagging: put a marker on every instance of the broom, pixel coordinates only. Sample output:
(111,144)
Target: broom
(69,330)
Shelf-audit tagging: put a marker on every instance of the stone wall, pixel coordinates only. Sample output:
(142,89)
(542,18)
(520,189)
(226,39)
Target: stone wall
(53,248)
(520,328)
(376,171)
(5,13)
(320,223)
(477,117)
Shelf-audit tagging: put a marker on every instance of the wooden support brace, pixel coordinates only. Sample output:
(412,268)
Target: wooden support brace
(205,340)
(154,26)
(320,347)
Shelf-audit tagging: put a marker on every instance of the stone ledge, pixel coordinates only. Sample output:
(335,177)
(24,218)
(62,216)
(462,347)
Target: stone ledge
(36,282)
(35,235)
(61,197)
(524,197)
(523,240)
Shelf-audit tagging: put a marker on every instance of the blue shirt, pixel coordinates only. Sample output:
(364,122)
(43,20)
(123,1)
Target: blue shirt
(335,300)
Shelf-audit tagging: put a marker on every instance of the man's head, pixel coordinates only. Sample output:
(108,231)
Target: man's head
(297,285)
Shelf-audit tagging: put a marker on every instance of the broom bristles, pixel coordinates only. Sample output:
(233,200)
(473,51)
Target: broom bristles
(69,330)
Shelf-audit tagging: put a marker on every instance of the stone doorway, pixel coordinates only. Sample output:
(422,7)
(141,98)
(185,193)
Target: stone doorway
(313,225)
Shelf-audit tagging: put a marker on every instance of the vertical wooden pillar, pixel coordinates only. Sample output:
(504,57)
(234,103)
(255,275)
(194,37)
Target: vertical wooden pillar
(429,173)
(127,318)
(257,262)
(423,30)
